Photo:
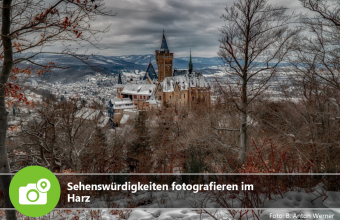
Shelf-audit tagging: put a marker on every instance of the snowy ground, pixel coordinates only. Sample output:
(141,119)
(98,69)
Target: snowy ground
(190,214)
(294,205)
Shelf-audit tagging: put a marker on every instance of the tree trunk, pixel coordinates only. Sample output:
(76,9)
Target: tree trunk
(243,136)
(243,126)
(5,72)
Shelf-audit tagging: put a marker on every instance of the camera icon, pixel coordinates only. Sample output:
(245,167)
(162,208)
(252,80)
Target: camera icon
(34,193)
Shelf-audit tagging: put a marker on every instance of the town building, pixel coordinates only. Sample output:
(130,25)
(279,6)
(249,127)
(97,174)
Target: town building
(117,106)
(138,94)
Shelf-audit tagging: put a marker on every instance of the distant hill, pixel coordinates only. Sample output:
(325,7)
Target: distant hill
(113,64)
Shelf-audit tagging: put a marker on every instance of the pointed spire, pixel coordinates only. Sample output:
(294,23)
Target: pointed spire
(190,63)
(119,79)
(150,72)
(164,46)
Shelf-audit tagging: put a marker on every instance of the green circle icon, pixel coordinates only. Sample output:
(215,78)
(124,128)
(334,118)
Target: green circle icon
(34,191)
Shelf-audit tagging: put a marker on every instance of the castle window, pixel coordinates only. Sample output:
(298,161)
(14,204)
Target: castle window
(193,98)
(144,97)
(170,97)
(134,97)
(140,97)
(184,95)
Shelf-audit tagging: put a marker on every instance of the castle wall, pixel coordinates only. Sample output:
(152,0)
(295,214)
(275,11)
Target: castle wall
(199,96)
(189,97)
(176,97)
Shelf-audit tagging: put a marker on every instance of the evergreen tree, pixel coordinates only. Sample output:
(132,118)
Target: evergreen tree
(194,163)
(139,151)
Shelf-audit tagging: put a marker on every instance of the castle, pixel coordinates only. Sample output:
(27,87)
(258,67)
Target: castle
(182,88)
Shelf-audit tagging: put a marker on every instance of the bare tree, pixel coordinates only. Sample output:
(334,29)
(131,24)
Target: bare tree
(32,26)
(316,68)
(253,42)
(306,123)
(58,135)
(65,135)
(325,9)
(320,43)
(318,56)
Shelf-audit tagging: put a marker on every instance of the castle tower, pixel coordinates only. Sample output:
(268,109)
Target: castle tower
(164,61)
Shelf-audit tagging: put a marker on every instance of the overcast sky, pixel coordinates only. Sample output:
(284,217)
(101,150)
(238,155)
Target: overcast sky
(137,28)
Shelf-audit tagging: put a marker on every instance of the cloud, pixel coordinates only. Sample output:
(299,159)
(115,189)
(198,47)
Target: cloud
(137,28)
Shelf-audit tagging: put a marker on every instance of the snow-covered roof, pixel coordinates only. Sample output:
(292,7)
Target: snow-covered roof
(130,111)
(89,114)
(138,89)
(103,122)
(124,119)
(118,86)
(184,82)
(122,103)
